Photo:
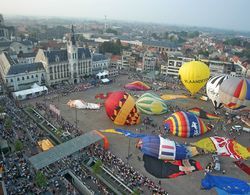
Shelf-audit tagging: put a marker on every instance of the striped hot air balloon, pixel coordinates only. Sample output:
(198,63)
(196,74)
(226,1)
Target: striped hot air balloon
(120,108)
(212,88)
(185,124)
(151,104)
(235,93)
(165,149)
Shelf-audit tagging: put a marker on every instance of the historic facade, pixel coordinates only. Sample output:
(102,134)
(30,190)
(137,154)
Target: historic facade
(66,65)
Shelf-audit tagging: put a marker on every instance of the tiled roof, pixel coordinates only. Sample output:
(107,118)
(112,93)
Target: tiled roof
(83,53)
(22,68)
(54,55)
(98,57)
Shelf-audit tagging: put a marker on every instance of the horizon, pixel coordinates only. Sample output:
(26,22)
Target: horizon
(177,13)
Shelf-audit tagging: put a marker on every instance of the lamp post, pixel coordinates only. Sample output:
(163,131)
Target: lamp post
(128,150)
(76,116)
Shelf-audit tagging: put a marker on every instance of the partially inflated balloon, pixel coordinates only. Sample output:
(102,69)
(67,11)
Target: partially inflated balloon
(137,86)
(185,124)
(151,104)
(165,149)
(235,93)
(120,108)
(212,88)
(194,75)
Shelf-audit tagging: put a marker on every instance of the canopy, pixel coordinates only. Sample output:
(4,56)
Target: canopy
(34,91)
(45,144)
(105,80)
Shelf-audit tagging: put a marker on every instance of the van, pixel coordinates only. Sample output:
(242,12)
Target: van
(237,128)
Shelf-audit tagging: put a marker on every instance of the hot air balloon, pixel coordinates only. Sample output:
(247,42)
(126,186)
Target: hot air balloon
(80,104)
(203,114)
(194,75)
(212,88)
(137,86)
(225,185)
(120,108)
(223,146)
(235,93)
(165,149)
(170,169)
(185,124)
(151,104)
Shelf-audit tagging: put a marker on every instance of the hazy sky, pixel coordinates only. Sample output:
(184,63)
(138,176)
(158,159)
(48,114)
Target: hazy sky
(229,14)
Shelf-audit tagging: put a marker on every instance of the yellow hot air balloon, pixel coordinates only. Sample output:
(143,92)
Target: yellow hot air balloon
(194,75)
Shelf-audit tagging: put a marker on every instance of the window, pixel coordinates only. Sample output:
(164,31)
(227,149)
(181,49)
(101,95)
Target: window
(36,75)
(32,76)
(11,80)
(6,80)
(23,78)
(28,77)
(18,79)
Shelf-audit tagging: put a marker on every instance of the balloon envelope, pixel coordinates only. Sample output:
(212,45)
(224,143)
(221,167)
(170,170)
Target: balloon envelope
(170,169)
(185,124)
(137,85)
(165,149)
(212,88)
(120,108)
(223,146)
(235,93)
(228,184)
(194,75)
(151,104)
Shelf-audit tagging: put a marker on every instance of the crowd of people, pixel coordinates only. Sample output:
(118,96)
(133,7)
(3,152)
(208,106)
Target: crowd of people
(127,174)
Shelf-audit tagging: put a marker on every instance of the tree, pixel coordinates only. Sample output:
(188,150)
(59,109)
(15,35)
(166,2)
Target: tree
(110,47)
(109,30)
(97,167)
(8,123)
(1,109)
(136,192)
(18,145)
(40,179)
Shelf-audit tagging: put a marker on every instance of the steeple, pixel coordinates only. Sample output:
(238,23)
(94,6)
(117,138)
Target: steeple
(73,39)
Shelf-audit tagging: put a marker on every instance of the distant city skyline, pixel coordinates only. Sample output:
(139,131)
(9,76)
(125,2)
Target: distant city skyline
(223,14)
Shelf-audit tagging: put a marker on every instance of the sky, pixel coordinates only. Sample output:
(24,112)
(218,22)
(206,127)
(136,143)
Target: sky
(223,14)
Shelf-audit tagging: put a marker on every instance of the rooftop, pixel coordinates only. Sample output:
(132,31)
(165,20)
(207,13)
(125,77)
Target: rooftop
(48,157)
(22,68)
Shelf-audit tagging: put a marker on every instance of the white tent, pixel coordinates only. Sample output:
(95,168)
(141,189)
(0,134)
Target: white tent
(105,80)
(103,74)
(34,91)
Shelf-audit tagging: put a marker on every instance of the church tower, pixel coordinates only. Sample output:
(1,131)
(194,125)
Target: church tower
(72,51)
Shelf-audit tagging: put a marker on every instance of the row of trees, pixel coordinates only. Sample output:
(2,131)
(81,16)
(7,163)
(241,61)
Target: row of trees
(112,47)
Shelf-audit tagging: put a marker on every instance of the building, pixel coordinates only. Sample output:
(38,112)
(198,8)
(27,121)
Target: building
(99,63)
(220,67)
(116,62)
(171,68)
(161,46)
(20,76)
(5,31)
(66,65)
(148,61)
(24,58)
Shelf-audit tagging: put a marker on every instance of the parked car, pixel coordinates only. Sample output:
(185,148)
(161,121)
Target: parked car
(216,162)
(237,128)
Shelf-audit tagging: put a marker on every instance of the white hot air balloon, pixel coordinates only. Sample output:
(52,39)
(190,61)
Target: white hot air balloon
(213,86)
